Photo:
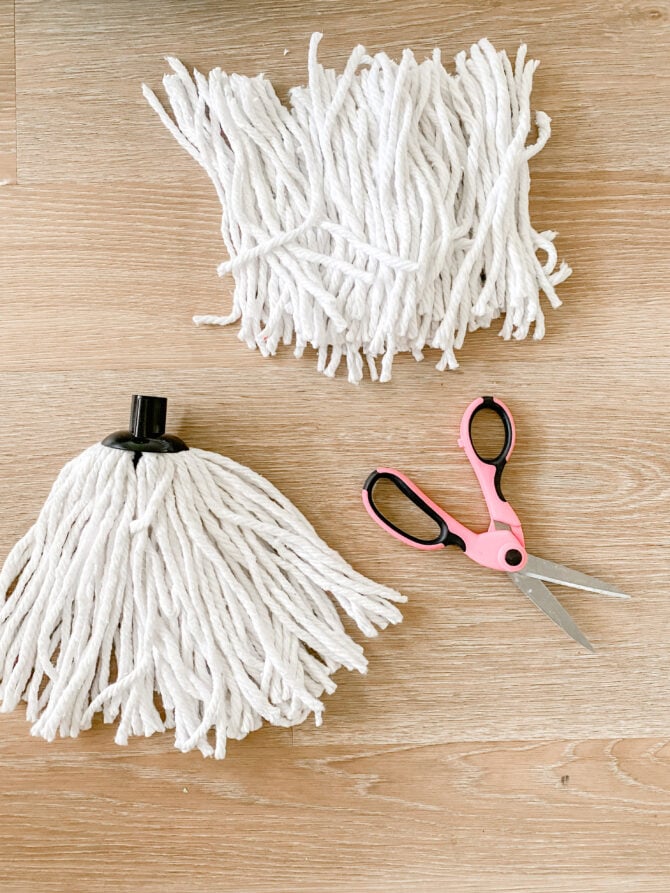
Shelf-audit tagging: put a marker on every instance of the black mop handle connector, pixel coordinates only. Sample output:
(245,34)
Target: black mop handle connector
(148,417)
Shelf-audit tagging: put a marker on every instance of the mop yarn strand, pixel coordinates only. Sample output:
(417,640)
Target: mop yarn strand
(385,210)
(186,575)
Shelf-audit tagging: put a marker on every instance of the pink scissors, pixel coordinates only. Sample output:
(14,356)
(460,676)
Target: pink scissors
(502,546)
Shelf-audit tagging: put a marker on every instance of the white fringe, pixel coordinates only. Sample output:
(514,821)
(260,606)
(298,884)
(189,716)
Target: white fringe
(386,210)
(198,580)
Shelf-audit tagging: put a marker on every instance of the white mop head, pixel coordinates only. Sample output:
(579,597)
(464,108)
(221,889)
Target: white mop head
(188,576)
(385,210)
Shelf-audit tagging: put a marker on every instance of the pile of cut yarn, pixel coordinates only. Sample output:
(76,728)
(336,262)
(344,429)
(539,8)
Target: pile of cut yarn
(384,210)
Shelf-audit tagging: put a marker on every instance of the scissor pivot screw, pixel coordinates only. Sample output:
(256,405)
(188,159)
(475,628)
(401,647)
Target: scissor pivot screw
(513,557)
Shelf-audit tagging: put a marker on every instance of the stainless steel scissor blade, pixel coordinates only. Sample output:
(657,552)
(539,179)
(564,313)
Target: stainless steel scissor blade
(540,596)
(541,569)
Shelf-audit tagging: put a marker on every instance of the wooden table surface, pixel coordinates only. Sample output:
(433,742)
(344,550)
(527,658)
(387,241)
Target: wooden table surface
(483,751)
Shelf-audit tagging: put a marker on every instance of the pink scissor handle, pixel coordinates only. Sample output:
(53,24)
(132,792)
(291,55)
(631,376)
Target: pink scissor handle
(501,547)
(497,549)
(451,532)
(489,469)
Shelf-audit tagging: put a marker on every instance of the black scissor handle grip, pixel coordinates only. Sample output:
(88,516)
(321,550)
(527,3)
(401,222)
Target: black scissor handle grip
(445,536)
(490,404)
(477,460)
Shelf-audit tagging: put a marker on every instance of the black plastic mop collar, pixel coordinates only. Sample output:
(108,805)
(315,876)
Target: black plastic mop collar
(148,417)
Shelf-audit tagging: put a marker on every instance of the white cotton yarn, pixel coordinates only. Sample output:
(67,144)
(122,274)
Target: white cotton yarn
(385,210)
(189,576)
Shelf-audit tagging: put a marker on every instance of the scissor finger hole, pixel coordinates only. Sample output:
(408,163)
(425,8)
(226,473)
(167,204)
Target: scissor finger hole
(490,434)
(398,510)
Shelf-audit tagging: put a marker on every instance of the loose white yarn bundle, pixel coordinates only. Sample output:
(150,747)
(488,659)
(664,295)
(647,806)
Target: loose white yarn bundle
(385,210)
(189,576)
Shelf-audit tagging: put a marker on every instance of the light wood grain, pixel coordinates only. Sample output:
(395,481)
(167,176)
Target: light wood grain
(7,94)
(524,816)
(482,751)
